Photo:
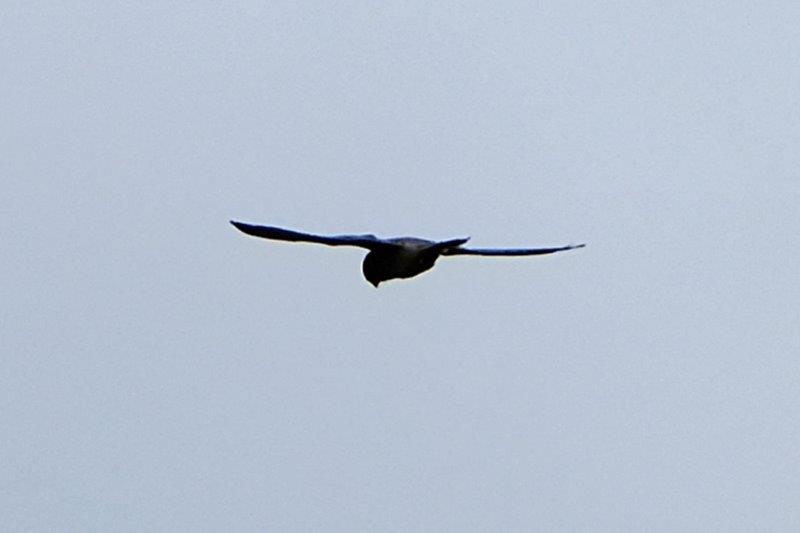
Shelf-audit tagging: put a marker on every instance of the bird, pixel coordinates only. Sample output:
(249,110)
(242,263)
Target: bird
(397,257)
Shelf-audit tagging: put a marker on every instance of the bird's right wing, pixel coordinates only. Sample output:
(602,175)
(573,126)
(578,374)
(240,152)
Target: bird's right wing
(269,232)
(509,251)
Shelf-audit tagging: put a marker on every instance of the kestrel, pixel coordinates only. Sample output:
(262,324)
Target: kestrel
(398,257)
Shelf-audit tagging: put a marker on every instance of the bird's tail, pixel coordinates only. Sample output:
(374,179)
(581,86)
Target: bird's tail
(443,246)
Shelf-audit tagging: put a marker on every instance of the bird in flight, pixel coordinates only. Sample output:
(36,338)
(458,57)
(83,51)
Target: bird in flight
(399,257)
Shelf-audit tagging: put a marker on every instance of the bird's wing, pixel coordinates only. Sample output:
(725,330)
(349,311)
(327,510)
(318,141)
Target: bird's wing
(509,251)
(269,232)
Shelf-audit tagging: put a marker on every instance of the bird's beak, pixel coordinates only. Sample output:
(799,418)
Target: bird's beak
(375,283)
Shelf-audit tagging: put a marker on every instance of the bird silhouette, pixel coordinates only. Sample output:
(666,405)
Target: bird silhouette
(398,257)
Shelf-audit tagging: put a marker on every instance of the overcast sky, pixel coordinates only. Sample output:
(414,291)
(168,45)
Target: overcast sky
(161,371)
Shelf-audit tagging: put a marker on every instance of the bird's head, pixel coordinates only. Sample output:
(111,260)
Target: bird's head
(371,269)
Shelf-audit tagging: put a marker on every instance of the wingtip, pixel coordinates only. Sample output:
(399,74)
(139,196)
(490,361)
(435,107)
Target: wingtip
(241,226)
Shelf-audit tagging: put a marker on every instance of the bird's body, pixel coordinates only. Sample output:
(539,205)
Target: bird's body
(405,260)
(407,257)
(399,257)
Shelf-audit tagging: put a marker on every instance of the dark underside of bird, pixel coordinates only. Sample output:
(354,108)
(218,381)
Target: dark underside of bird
(397,257)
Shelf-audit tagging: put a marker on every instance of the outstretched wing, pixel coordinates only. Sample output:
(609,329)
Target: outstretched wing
(509,251)
(269,232)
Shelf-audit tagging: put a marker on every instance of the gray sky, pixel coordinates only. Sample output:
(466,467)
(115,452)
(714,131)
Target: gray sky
(161,371)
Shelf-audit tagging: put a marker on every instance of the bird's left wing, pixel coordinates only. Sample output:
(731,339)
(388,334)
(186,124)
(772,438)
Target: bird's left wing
(509,251)
(270,232)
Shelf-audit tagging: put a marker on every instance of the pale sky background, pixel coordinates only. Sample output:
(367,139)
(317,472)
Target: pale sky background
(163,372)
